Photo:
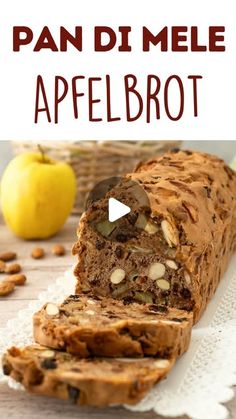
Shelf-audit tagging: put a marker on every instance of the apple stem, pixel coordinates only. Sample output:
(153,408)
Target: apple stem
(41,150)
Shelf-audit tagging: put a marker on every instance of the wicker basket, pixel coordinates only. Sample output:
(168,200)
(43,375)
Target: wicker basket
(94,161)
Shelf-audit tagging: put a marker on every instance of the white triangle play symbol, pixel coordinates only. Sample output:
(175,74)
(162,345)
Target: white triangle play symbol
(116,209)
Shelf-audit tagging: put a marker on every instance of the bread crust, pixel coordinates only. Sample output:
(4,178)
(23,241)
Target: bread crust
(97,382)
(99,326)
(194,194)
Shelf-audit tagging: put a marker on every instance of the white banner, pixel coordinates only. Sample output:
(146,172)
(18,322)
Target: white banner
(117,70)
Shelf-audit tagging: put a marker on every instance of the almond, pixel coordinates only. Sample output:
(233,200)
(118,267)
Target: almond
(17,279)
(7,256)
(187,278)
(162,363)
(144,224)
(169,233)
(90,312)
(138,249)
(151,228)
(163,284)
(171,264)
(58,250)
(6,288)
(117,276)
(14,268)
(52,309)
(47,353)
(37,253)
(156,270)
(129,359)
(91,302)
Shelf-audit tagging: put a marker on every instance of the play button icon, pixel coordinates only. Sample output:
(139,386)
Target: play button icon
(113,207)
(116,209)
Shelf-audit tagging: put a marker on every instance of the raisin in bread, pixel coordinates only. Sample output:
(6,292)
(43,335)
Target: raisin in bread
(85,325)
(173,254)
(95,382)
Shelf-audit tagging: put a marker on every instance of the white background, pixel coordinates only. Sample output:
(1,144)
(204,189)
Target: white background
(18,71)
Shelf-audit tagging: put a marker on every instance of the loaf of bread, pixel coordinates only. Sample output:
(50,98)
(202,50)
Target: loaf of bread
(86,325)
(172,253)
(94,382)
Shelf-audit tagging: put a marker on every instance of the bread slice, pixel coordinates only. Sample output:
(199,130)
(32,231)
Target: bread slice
(174,252)
(87,325)
(94,382)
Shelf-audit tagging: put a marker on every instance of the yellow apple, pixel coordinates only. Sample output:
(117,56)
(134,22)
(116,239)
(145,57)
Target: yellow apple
(37,195)
(233,163)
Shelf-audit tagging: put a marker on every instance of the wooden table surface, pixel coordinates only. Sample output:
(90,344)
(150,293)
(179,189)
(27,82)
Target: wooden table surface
(40,274)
